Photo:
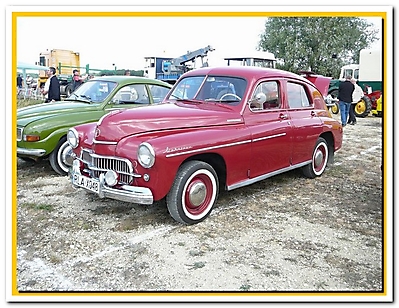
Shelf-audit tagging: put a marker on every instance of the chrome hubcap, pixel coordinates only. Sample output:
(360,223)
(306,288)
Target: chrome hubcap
(318,158)
(197,194)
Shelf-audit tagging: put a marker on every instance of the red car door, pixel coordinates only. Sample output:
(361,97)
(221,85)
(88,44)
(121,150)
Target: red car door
(271,131)
(306,125)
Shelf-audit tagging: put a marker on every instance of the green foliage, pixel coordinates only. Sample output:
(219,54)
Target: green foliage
(319,44)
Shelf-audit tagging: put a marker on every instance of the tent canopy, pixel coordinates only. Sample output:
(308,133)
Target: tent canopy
(24,67)
(31,67)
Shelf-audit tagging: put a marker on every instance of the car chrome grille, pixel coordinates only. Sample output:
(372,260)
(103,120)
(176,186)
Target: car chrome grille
(19,133)
(101,164)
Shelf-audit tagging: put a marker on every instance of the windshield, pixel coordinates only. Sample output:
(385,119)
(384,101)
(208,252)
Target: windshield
(210,88)
(93,91)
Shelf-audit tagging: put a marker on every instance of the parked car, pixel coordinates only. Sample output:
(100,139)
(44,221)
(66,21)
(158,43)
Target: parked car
(218,128)
(42,129)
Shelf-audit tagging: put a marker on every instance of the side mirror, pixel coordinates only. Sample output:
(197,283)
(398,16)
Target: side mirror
(260,98)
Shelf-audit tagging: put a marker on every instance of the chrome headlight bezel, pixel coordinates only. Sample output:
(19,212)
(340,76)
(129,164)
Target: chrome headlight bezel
(73,138)
(146,155)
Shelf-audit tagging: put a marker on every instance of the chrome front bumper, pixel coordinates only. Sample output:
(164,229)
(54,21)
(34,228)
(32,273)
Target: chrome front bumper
(126,193)
(31,152)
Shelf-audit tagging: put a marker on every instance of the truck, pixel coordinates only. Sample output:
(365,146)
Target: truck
(258,58)
(65,61)
(170,69)
(368,73)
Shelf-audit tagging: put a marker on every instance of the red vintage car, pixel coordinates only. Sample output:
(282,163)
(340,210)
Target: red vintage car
(217,128)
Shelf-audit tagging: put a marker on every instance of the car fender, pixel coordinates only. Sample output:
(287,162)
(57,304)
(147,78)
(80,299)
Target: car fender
(216,144)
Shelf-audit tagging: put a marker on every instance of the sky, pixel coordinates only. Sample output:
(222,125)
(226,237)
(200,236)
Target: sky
(123,42)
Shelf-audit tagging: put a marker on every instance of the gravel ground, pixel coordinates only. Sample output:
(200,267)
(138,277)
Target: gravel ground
(287,233)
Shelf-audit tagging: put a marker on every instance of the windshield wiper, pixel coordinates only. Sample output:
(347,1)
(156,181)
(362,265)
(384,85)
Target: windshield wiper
(81,98)
(188,100)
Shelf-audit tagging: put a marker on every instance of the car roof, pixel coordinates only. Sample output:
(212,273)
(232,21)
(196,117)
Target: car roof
(247,72)
(130,79)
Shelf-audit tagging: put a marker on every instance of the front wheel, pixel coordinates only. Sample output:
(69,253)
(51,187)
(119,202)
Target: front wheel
(363,107)
(60,158)
(319,160)
(194,193)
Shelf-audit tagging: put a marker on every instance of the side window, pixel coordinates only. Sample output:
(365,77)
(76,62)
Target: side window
(266,96)
(132,94)
(297,97)
(158,93)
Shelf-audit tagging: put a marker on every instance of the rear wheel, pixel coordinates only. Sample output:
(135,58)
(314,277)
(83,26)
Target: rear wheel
(319,160)
(363,107)
(60,158)
(194,193)
(68,90)
(335,108)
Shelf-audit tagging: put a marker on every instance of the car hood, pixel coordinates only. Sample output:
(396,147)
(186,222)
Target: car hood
(119,124)
(32,113)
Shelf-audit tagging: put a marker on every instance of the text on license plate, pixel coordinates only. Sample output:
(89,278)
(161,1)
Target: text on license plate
(85,182)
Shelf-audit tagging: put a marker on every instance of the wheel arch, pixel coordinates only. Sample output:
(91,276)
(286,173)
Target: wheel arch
(329,138)
(216,161)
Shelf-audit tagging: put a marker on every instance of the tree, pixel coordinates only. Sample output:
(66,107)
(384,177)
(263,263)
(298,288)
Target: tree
(318,44)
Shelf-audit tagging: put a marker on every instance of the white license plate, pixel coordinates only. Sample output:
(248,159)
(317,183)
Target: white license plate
(85,182)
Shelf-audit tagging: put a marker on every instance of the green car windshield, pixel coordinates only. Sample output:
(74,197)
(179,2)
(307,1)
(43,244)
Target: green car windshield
(93,91)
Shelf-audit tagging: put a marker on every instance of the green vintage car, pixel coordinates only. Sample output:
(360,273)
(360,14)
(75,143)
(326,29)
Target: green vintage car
(42,129)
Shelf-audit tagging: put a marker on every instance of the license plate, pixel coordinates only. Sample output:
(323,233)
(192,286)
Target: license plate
(85,182)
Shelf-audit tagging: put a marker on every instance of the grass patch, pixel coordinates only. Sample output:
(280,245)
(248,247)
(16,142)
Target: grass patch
(28,102)
(38,206)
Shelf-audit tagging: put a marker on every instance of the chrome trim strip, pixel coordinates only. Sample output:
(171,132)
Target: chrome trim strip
(31,152)
(224,146)
(267,175)
(105,142)
(270,137)
(234,120)
(209,148)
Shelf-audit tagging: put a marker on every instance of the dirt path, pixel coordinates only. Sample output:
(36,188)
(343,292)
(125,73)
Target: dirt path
(287,233)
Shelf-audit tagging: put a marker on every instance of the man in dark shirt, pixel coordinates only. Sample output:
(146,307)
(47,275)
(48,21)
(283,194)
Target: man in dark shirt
(52,87)
(345,91)
(77,80)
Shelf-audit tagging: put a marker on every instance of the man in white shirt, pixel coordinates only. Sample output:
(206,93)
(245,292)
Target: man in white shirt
(51,88)
(356,97)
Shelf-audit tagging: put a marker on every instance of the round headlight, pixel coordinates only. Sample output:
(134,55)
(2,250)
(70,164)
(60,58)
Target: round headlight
(111,178)
(146,155)
(73,138)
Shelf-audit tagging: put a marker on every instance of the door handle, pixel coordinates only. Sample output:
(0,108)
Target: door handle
(283,116)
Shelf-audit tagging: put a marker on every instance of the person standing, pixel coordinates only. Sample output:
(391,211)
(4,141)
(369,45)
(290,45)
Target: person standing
(77,80)
(345,91)
(51,88)
(19,82)
(356,97)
